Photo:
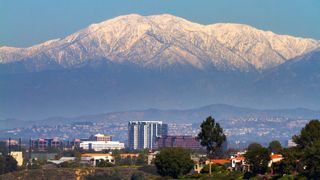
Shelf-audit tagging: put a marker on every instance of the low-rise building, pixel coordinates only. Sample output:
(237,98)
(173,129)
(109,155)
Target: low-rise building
(12,142)
(238,161)
(100,137)
(94,159)
(101,145)
(198,166)
(43,144)
(188,142)
(274,158)
(17,155)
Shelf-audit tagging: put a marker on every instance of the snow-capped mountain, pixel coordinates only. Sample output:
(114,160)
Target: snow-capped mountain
(164,40)
(163,61)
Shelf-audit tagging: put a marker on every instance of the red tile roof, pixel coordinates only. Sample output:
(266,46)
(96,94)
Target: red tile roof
(276,156)
(239,158)
(220,161)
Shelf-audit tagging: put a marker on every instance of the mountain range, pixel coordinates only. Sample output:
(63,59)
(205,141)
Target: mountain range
(161,61)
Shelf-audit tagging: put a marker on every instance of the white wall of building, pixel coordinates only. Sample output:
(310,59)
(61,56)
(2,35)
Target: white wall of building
(101,145)
(17,155)
(96,158)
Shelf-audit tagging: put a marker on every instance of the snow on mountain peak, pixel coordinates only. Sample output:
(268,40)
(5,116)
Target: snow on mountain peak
(162,40)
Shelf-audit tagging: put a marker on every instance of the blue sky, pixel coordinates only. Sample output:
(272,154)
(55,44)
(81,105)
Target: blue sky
(27,22)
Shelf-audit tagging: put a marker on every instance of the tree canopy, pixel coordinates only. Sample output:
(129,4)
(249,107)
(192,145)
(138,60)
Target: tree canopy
(211,136)
(7,164)
(308,135)
(173,162)
(258,158)
(275,147)
(103,163)
(308,142)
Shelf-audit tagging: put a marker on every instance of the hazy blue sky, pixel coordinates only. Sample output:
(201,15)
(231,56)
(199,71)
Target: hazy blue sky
(28,22)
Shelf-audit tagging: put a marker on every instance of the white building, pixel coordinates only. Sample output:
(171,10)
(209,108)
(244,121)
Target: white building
(96,158)
(17,155)
(144,134)
(238,161)
(101,145)
(100,137)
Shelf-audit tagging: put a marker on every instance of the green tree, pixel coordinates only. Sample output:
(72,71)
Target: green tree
(258,158)
(103,163)
(289,164)
(309,144)
(142,159)
(211,136)
(308,135)
(275,147)
(137,176)
(7,164)
(117,157)
(127,161)
(215,168)
(173,162)
(311,160)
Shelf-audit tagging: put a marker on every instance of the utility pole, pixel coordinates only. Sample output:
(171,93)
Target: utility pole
(30,148)
(20,140)
(9,146)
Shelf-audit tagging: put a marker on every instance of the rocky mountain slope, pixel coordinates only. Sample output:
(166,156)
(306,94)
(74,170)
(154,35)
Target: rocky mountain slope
(163,40)
(138,62)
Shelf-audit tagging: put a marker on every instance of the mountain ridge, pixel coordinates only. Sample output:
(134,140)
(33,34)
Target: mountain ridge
(94,73)
(163,40)
(191,115)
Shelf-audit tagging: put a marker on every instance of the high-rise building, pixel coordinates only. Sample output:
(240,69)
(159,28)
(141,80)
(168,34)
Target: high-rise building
(144,134)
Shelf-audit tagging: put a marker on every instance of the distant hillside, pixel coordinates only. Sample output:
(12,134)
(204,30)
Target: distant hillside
(218,111)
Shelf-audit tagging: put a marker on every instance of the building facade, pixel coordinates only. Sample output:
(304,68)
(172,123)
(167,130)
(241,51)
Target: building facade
(144,134)
(94,159)
(188,142)
(44,144)
(101,145)
(17,155)
(100,137)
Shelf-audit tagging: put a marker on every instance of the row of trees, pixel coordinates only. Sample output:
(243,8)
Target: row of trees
(176,162)
(304,159)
